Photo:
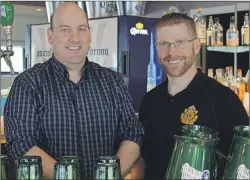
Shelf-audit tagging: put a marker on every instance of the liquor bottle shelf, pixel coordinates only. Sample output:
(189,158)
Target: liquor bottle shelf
(226,49)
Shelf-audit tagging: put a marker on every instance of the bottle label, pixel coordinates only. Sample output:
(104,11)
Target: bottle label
(246,36)
(242,172)
(232,39)
(189,172)
(201,32)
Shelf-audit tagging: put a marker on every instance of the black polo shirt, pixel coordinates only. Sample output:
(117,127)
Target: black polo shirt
(204,102)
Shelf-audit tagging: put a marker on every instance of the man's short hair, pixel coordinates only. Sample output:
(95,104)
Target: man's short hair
(51,21)
(176,19)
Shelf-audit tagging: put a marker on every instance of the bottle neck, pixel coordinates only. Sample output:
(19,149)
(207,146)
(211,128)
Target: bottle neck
(246,22)
(210,24)
(232,25)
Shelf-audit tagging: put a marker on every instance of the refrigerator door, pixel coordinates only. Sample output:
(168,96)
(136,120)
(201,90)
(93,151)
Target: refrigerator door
(139,36)
(104,42)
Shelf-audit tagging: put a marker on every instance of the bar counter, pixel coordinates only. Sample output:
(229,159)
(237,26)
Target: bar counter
(137,171)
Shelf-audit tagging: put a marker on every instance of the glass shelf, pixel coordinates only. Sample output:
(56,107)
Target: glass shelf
(239,49)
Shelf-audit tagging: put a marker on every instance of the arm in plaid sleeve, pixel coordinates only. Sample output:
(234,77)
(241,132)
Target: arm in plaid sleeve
(21,119)
(130,127)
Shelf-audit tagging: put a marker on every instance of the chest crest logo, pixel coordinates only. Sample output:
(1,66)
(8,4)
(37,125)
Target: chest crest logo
(189,116)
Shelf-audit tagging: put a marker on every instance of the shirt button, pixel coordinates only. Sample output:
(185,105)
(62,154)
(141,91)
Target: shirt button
(172,100)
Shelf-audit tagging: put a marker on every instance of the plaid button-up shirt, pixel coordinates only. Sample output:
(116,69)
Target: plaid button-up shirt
(45,109)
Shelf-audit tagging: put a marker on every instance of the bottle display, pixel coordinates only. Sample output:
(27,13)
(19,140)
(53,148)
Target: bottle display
(238,83)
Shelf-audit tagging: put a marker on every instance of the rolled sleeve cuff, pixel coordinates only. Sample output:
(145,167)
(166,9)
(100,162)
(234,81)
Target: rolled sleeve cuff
(137,139)
(18,149)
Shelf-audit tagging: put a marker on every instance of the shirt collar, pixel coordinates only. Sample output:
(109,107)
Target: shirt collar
(196,82)
(61,70)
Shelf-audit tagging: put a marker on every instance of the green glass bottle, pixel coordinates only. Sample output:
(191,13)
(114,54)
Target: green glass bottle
(66,171)
(238,165)
(4,167)
(7,13)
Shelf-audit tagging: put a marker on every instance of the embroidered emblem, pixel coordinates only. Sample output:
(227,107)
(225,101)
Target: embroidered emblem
(189,116)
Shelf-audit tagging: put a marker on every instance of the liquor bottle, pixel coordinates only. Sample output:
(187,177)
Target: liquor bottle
(209,31)
(217,34)
(230,77)
(211,73)
(232,34)
(151,70)
(200,25)
(219,75)
(245,31)
(240,85)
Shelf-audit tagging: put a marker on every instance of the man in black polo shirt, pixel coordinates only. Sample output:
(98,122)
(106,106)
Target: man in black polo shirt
(187,97)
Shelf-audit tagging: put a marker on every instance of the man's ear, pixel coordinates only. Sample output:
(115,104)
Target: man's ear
(197,45)
(49,34)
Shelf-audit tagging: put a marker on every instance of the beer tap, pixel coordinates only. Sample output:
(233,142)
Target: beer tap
(7,18)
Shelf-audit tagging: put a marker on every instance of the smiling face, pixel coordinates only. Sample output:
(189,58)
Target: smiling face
(177,57)
(70,34)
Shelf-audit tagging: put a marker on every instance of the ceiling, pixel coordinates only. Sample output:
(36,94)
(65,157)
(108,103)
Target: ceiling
(30,3)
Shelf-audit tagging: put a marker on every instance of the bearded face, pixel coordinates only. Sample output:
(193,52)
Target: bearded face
(176,49)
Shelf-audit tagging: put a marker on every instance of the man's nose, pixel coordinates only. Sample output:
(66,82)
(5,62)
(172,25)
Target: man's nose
(75,36)
(171,48)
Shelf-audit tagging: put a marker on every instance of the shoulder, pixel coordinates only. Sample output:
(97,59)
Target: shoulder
(32,76)
(105,74)
(156,94)
(216,89)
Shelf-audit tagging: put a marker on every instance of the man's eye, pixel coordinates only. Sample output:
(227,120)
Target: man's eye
(82,29)
(64,30)
(164,44)
(179,43)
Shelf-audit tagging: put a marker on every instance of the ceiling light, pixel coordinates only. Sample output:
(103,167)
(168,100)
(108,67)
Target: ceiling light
(39,9)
